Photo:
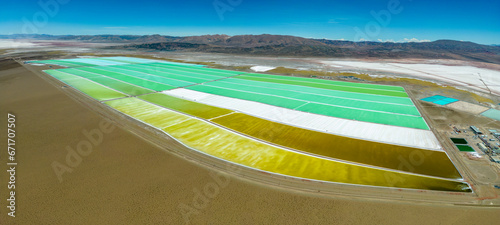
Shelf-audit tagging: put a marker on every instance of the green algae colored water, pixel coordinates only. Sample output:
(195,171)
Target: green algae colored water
(461,141)
(90,88)
(465,148)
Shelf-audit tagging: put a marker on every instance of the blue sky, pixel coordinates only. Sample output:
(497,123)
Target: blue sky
(396,20)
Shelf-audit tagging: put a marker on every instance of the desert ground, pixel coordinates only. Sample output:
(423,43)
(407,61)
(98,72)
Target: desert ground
(129,179)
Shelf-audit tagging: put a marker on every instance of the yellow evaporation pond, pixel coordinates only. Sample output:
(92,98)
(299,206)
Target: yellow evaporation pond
(185,106)
(433,163)
(229,146)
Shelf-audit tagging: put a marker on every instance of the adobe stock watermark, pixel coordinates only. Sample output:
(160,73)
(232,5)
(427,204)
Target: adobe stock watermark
(223,6)
(415,159)
(380,20)
(203,196)
(49,9)
(83,148)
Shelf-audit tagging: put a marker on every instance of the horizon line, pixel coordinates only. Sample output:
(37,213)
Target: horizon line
(404,40)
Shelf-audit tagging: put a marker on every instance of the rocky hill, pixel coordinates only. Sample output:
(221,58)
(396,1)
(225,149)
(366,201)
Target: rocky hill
(284,45)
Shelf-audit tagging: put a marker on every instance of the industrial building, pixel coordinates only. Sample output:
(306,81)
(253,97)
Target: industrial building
(482,147)
(475,130)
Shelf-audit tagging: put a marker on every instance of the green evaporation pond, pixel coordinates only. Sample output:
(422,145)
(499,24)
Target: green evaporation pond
(461,141)
(465,148)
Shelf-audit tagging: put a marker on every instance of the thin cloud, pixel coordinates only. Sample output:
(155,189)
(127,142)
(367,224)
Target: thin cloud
(415,40)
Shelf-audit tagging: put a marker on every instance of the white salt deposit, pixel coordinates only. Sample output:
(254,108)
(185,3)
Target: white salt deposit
(461,76)
(9,43)
(261,68)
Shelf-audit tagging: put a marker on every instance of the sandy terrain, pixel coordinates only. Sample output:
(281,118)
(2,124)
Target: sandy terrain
(467,107)
(126,180)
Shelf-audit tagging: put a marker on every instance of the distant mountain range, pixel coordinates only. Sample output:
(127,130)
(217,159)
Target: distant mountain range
(95,38)
(283,45)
